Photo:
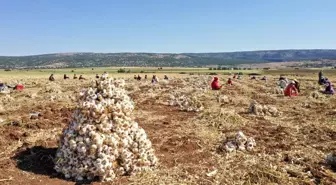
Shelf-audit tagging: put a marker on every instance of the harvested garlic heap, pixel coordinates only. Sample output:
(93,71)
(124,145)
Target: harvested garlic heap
(315,95)
(223,99)
(257,109)
(240,142)
(201,83)
(278,90)
(185,103)
(102,140)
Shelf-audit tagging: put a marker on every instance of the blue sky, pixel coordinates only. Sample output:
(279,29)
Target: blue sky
(43,26)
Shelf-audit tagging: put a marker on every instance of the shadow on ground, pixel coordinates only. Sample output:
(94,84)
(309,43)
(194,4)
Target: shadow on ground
(40,160)
(36,159)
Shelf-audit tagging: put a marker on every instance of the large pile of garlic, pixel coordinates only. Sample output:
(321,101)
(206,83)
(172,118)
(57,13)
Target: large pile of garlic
(262,110)
(102,140)
(240,142)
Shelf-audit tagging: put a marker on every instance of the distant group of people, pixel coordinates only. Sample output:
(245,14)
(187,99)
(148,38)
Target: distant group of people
(255,78)
(4,86)
(155,79)
(290,88)
(138,77)
(65,77)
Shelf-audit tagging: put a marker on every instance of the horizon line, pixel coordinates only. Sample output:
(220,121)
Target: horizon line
(176,53)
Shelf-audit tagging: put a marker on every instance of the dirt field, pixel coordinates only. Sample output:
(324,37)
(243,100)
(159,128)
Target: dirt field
(290,149)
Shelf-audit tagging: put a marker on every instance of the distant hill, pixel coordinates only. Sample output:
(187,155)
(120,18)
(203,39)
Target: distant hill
(163,59)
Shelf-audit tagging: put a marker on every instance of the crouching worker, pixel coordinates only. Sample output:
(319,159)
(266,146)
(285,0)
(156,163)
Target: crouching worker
(229,82)
(81,77)
(4,88)
(297,85)
(235,75)
(51,77)
(66,77)
(291,90)
(19,87)
(329,88)
(215,84)
(282,84)
(155,79)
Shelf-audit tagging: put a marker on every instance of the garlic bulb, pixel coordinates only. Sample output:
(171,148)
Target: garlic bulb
(185,103)
(262,110)
(240,142)
(102,140)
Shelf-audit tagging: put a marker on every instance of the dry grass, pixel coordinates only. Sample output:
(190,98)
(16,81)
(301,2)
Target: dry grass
(291,148)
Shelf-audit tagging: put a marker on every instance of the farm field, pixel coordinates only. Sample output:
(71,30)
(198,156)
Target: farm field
(36,73)
(44,73)
(291,145)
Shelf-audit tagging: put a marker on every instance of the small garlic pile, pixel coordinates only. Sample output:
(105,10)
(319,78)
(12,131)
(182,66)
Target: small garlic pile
(186,103)
(240,142)
(102,140)
(201,83)
(315,95)
(51,87)
(262,110)
(278,90)
(6,99)
(223,99)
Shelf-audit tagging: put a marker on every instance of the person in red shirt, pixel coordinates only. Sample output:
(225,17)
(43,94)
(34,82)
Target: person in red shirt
(215,84)
(229,82)
(291,90)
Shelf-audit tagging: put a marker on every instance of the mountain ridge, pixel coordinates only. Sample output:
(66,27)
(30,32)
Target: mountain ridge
(93,59)
(224,52)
